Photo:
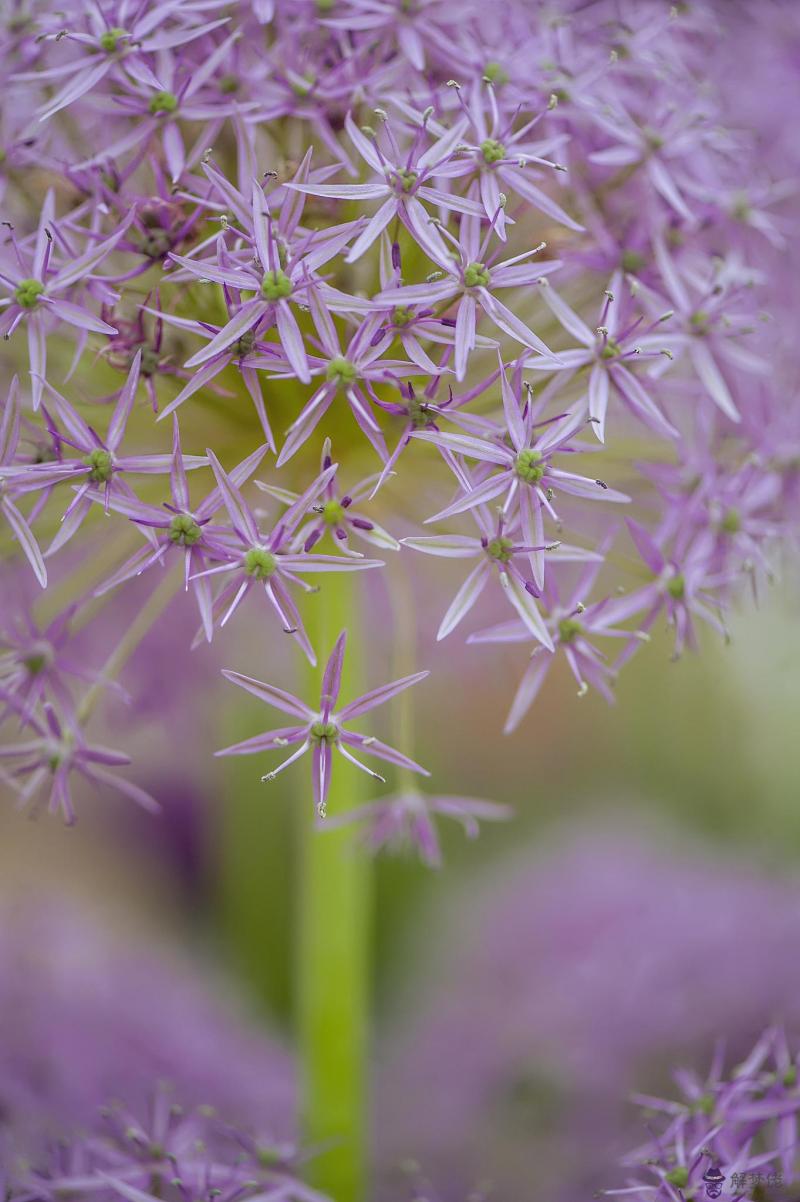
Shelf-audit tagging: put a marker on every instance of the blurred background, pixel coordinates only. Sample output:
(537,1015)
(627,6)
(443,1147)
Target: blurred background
(642,903)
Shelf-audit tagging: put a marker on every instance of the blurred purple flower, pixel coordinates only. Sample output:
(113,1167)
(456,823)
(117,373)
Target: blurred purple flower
(557,985)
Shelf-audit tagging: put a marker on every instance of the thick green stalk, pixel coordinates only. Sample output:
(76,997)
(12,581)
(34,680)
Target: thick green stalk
(333,943)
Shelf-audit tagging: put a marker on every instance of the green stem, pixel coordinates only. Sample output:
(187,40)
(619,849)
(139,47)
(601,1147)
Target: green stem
(139,628)
(333,947)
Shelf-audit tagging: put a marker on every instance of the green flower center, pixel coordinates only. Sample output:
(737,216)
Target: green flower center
(229,84)
(632,261)
(731,522)
(303,88)
(342,371)
(676,587)
(679,1176)
(476,274)
(101,466)
(27,293)
(495,74)
(406,179)
(492,150)
(333,513)
(324,732)
(402,316)
(568,630)
(111,39)
(528,466)
(500,549)
(276,285)
(244,345)
(259,563)
(699,321)
(789,1078)
(149,361)
(611,350)
(155,243)
(163,102)
(37,660)
(418,414)
(184,530)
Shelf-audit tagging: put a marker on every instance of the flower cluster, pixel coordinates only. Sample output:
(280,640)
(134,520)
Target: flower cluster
(93,1016)
(163,1153)
(737,1132)
(519,261)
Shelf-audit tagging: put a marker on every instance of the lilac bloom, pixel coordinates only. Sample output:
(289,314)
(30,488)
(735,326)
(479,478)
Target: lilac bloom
(413,325)
(157,103)
(422,413)
(497,552)
(34,662)
(574,625)
(9,444)
(710,331)
(277,285)
(499,155)
(180,526)
(99,464)
(352,372)
(739,1129)
(407,821)
(527,479)
(610,353)
(662,149)
(398,24)
(247,353)
(267,561)
(471,282)
(324,730)
(685,587)
(58,750)
(401,183)
(133,335)
(35,287)
(118,40)
(332,512)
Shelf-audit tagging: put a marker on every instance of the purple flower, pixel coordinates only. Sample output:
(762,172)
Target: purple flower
(401,182)
(323,730)
(116,45)
(498,157)
(9,444)
(278,281)
(742,1128)
(573,625)
(36,287)
(471,280)
(496,551)
(99,465)
(407,820)
(56,751)
(610,353)
(528,478)
(182,527)
(268,561)
(109,1041)
(613,952)
(332,513)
